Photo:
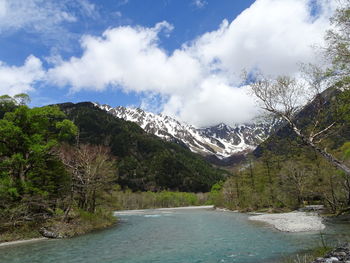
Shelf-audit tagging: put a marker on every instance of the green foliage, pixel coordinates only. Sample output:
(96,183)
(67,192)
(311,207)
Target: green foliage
(27,137)
(287,182)
(32,179)
(215,195)
(7,104)
(346,150)
(344,105)
(67,130)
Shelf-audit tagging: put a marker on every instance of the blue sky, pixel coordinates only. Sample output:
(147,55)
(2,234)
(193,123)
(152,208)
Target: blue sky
(179,57)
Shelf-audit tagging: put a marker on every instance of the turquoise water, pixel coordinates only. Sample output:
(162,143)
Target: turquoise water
(188,236)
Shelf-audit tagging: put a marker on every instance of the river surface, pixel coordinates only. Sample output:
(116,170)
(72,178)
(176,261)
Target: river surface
(179,236)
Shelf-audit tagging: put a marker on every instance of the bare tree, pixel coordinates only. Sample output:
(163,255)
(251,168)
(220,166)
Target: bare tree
(295,177)
(230,192)
(337,49)
(92,169)
(285,96)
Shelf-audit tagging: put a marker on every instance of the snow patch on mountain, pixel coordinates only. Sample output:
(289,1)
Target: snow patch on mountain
(220,140)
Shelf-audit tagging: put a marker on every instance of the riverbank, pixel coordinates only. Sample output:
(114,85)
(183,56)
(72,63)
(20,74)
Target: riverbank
(339,254)
(87,223)
(180,235)
(292,221)
(286,222)
(222,226)
(78,223)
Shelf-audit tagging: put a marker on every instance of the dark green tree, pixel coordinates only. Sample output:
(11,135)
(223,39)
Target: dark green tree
(29,170)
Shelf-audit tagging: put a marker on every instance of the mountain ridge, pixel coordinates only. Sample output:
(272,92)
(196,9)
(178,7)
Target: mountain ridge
(218,142)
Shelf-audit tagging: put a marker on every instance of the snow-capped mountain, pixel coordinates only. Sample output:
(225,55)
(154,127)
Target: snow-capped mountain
(220,140)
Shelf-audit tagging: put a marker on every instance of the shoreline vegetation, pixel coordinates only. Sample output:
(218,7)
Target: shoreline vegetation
(75,232)
(79,222)
(293,222)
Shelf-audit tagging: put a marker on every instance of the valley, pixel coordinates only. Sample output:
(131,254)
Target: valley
(238,152)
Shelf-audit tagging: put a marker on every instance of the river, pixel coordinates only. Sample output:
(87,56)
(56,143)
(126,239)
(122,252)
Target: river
(188,236)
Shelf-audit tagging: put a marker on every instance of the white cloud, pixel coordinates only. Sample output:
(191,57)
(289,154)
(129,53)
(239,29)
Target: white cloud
(36,15)
(130,58)
(199,80)
(87,8)
(214,101)
(14,80)
(272,35)
(46,19)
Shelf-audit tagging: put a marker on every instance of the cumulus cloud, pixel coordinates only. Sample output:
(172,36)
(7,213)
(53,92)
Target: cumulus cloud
(213,102)
(199,82)
(271,35)
(15,80)
(130,58)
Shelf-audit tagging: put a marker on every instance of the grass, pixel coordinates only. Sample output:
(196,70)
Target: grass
(25,231)
(311,255)
(80,222)
(308,256)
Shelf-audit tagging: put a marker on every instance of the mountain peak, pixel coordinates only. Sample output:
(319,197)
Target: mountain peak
(220,140)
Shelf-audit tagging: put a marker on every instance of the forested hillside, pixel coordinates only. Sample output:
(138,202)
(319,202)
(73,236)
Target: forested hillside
(144,161)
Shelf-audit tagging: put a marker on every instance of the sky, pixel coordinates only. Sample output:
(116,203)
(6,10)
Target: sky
(183,58)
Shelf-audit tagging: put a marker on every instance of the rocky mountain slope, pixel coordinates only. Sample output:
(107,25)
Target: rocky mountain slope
(219,141)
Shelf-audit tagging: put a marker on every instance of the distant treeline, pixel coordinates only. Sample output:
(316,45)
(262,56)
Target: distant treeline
(126,200)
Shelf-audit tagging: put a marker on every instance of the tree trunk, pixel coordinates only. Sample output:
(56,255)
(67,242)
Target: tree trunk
(93,202)
(238,193)
(272,192)
(334,200)
(330,158)
(251,174)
